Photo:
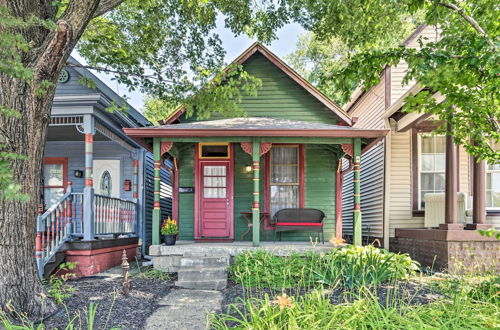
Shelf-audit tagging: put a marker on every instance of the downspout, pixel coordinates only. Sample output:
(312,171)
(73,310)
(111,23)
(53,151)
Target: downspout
(387,185)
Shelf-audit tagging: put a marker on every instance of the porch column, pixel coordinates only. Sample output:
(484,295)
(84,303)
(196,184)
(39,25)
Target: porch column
(256,199)
(88,190)
(479,200)
(156,203)
(135,178)
(451,184)
(356,217)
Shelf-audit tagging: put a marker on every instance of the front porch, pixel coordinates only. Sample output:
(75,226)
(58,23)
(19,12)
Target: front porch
(230,170)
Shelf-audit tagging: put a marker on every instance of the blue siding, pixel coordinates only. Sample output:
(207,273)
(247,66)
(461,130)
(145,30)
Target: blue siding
(75,152)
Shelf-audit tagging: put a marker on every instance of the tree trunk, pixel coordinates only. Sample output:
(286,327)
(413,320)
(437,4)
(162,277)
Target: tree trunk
(19,282)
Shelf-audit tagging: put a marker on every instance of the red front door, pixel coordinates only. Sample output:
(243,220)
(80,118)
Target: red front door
(216,200)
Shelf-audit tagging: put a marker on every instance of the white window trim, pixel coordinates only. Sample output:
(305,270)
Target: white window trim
(490,208)
(419,167)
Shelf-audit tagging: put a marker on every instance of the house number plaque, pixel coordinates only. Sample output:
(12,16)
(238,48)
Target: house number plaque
(186,190)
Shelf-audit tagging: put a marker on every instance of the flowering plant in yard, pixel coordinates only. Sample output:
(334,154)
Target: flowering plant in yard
(169,227)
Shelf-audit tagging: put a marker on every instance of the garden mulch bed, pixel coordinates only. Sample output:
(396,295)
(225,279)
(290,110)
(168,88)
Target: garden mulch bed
(412,292)
(115,310)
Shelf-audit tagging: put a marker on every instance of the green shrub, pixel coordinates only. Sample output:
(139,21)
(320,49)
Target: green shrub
(349,267)
(314,311)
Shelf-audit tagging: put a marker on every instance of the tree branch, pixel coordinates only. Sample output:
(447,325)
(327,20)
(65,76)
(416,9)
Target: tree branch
(105,6)
(101,69)
(470,20)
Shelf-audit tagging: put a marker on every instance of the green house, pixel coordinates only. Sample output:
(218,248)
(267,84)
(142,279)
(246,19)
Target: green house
(233,174)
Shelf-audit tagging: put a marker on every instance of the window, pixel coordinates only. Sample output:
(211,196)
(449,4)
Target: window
(431,166)
(493,184)
(214,181)
(54,179)
(284,177)
(214,150)
(106,184)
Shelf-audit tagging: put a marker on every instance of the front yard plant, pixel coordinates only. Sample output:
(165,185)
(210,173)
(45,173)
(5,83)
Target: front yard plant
(349,267)
(354,288)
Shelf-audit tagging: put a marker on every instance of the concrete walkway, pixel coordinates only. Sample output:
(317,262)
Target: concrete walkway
(185,309)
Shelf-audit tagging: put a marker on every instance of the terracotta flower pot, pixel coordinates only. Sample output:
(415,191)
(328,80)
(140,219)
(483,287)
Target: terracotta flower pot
(170,239)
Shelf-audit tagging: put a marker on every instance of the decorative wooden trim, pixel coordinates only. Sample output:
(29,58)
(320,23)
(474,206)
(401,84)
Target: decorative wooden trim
(248,147)
(338,200)
(165,147)
(348,149)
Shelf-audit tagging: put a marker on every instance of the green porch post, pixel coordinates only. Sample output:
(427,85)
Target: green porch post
(255,204)
(357,225)
(156,204)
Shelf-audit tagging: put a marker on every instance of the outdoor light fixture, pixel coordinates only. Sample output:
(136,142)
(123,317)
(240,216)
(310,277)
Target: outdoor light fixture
(78,173)
(248,168)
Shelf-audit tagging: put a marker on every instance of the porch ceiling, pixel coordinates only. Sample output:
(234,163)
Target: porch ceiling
(70,133)
(257,127)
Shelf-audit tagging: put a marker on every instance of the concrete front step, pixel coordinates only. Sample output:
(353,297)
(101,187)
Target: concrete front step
(214,261)
(205,285)
(201,274)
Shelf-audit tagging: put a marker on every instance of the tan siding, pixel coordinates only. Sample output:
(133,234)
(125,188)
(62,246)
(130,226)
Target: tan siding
(428,34)
(397,74)
(400,208)
(370,108)
(464,171)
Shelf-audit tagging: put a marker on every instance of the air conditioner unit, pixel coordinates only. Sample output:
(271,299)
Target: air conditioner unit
(434,209)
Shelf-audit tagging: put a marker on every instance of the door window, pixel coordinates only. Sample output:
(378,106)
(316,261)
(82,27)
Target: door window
(214,181)
(54,180)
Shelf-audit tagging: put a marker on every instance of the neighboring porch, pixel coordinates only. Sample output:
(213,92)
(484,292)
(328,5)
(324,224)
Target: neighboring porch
(236,176)
(90,192)
(452,206)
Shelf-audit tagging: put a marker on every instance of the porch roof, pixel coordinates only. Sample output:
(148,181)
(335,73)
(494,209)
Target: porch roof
(255,126)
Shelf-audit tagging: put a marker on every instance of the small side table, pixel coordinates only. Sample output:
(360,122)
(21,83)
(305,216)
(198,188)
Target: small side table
(248,217)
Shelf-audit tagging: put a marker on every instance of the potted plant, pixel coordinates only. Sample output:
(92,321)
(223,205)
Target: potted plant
(169,230)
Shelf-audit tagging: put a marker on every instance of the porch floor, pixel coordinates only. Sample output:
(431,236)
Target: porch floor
(235,248)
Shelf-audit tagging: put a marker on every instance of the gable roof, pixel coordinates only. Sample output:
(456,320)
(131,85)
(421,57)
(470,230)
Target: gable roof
(109,93)
(313,91)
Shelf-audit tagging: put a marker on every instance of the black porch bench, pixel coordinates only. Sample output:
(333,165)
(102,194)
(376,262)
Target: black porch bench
(296,219)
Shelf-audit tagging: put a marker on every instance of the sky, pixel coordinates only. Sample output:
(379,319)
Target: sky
(283,45)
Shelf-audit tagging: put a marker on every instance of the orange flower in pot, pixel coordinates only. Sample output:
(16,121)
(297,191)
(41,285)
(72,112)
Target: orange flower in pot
(169,230)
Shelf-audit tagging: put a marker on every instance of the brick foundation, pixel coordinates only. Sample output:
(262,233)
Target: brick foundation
(452,251)
(97,258)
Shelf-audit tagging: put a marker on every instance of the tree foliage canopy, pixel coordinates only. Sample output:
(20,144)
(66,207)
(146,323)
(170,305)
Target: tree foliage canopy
(462,64)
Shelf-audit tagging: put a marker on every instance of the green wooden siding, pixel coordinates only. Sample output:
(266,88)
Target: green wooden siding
(320,170)
(186,201)
(279,97)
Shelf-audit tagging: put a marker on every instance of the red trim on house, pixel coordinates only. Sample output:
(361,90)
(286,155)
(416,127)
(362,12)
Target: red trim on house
(197,190)
(328,133)
(64,162)
(302,176)
(312,224)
